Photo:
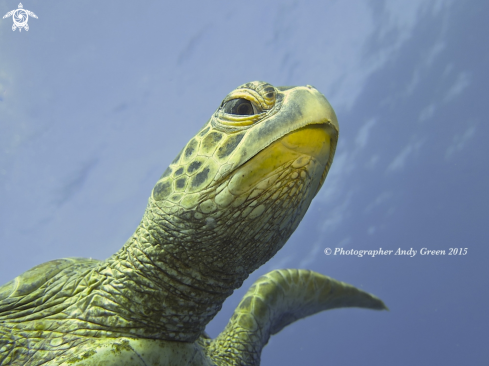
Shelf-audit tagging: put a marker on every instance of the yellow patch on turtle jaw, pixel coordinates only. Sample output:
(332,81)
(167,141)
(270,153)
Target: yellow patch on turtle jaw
(307,147)
(312,140)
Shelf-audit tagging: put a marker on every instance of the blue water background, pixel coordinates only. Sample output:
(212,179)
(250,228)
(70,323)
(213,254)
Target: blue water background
(97,98)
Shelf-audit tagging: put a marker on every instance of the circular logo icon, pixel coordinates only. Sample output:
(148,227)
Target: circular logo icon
(328,251)
(20,18)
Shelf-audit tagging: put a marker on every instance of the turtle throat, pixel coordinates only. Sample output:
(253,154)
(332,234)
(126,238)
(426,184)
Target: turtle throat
(161,289)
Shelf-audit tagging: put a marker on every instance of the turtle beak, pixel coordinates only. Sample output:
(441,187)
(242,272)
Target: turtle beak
(318,138)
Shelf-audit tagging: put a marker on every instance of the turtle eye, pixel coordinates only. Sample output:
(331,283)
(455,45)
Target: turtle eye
(240,106)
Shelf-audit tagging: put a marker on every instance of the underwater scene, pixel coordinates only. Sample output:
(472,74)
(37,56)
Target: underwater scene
(179,151)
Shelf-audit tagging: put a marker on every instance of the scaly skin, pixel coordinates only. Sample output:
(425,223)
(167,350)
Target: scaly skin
(226,205)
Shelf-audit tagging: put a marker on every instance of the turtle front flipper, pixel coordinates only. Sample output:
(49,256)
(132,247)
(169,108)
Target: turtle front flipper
(274,301)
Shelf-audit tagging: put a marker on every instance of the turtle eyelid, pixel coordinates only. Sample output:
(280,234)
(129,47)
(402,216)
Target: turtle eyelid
(227,100)
(228,106)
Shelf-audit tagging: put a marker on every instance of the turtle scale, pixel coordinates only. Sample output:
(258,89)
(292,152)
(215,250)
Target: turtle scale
(225,205)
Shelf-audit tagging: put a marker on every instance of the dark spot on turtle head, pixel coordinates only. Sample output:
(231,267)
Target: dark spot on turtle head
(166,173)
(190,148)
(194,166)
(162,190)
(270,95)
(229,145)
(176,197)
(200,178)
(204,131)
(181,182)
(211,140)
(269,89)
(178,172)
(177,158)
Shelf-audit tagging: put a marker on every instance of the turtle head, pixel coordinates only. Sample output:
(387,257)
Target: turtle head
(242,184)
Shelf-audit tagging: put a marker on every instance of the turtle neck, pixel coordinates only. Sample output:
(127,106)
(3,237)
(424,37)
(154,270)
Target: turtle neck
(166,291)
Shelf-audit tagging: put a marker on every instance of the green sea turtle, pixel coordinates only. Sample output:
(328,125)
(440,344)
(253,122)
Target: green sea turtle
(226,204)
